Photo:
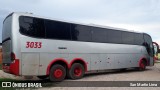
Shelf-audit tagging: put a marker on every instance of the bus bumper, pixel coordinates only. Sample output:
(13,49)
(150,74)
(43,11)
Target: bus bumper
(13,68)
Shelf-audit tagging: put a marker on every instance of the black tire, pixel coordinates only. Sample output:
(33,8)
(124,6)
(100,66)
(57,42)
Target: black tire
(76,71)
(42,77)
(142,66)
(57,73)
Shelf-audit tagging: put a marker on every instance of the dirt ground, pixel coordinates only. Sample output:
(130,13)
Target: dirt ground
(150,74)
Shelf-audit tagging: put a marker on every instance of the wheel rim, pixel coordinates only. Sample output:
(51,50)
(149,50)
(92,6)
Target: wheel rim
(77,71)
(58,73)
(142,66)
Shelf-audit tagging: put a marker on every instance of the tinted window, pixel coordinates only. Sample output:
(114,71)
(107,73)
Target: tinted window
(57,30)
(148,44)
(7,26)
(99,35)
(32,27)
(127,38)
(114,36)
(138,39)
(81,32)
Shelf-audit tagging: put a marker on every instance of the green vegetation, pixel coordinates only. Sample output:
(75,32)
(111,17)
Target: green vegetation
(7,79)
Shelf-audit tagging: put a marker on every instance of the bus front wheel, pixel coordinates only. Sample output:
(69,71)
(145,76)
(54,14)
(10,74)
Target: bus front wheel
(142,66)
(76,71)
(57,73)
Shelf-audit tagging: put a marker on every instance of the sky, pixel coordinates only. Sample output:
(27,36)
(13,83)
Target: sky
(134,15)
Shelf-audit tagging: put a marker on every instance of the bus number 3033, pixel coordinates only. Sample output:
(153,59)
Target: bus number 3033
(33,44)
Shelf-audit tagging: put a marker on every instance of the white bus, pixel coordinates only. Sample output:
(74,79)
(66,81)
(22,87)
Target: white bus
(43,47)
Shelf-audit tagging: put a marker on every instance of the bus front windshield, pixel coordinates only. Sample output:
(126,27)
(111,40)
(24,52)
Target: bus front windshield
(149,45)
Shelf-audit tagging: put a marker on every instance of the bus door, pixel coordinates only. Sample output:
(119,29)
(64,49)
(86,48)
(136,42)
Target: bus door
(150,49)
(156,49)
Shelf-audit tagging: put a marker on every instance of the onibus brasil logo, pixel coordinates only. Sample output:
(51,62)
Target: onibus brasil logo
(15,84)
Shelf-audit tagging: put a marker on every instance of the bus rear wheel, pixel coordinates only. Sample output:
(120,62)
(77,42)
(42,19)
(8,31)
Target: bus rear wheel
(142,66)
(76,71)
(57,73)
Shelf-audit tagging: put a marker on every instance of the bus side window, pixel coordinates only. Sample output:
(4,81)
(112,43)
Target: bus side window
(114,36)
(138,39)
(57,30)
(81,32)
(99,35)
(33,27)
(127,38)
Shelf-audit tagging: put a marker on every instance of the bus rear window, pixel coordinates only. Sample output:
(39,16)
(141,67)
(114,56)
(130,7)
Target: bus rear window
(33,27)
(7,29)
